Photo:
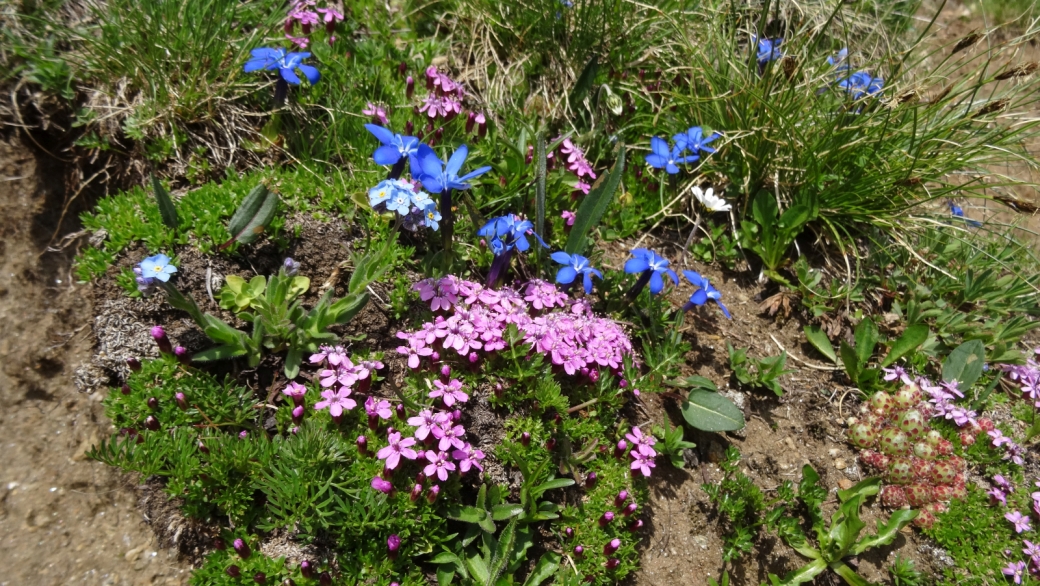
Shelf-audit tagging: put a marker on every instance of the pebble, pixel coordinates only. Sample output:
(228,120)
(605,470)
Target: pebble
(840,464)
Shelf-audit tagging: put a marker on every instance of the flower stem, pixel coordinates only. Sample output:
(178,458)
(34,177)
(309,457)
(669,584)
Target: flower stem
(644,278)
(281,90)
(397,169)
(581,406)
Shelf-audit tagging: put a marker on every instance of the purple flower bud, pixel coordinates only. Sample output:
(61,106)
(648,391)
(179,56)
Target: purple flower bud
(291,267)
(409,87)
(631,508)
(635,392)
(153,403)
(611,547)
(204,450)
(470,122)
(182,354)
(134,364)
(606,519)
(402,68)
(260,578)
(218,543)
(373,422)
(307,569)
(243,434)
(456,415)
(623,383)
(473,357)
(622,447)
(482,128)
(416,493)
(401,412)
(594,375)
(431,496)
(324,579)
(636,525)
(297,413)
(613,563)
(159,335)
(408,127)
(590,480)
(382,486)
(621,498)
(420,477)
(557,419)
(151,423)
(241,548)
(525,438)
(578,550)
(393,543)
(436,355)
(233,571)
(569,532)
(125,389)
(288,26)
(182,401)
(446,372)
(551,444)
(294,429)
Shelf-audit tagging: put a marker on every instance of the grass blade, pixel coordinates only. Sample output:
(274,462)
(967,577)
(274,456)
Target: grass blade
(539,194)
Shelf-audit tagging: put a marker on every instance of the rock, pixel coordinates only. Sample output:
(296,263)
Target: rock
(690,457)
(716,453)
(840,464)
(844,483)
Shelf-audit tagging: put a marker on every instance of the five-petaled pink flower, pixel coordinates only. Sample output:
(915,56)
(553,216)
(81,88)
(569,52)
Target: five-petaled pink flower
(295,391)
(467,457)
(382,408)
(568,217)
(1032,550)
(415,350)
(1015,570)
(331,15)
(336,401)
(378,114)
(449,393)
(439,465)
(398,447)
(301,42)
(425,422)
(642,443)
(382,485)
(345,378)
(1020,521)
(642,462)
(449,436)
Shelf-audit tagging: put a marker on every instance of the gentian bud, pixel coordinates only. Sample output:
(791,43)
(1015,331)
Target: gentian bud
(297,413)
(306,27)
(636,525)
(470,122)
(408,127)
(621,498)
(260,578)
(290,581)
(613,563)
(307,569)
(362,444)
(159,335)
(611,547)
(182,401)
(631,508)
(590,480)
(416,493)
(619,451)
(125,389)
(134,364)
(233,571)
(241,548)
(409,87)
(606,519)
(569,532)
(373,422)
(151,423)
(432,495)
(525,438)
(324,579)
(393,543)
(551,444)
(578,550)
(218,543)
(182,354)
(153,403)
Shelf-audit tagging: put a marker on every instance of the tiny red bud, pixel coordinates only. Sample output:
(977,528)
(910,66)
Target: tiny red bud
(416,493)
(153,403)
(307,569)
(218,543)
(606,519)
(590,480)
(134,364)
(409,87)
(241,548)
(233,571)
(551,444)
(620,449)
(260,578)
(470,121)
(402,68)
(525,438)
(151,423)
(159,335)
(408,127)
(125,389)
(579,550)
(362,444)
(204,450)
(569,532)
(431,496)
(611,547)
(182,354)
(621,498)
(631,508)
(182,401)
(297,413)
(324,579)
(636,525)
(613,563)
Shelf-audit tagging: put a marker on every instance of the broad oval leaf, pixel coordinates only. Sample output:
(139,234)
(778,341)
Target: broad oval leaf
(506,511)
(964,364)
(819,340)
(912,337)
(710,411)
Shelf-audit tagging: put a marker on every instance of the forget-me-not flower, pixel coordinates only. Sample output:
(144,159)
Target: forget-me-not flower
(704,292)
(650,266)
(157,267)
(574,265)
(662,157)
(437,176)
(285,63)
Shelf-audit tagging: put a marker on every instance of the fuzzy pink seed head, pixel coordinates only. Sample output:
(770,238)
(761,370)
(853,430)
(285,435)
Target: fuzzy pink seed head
(893,496)
(918,495)
(894,442)
(967,437)
(943,472)
(881,403)
(862,435)
(924,520)
(900,471)
(912,422)
(944,447)
(925,451)
(932,437)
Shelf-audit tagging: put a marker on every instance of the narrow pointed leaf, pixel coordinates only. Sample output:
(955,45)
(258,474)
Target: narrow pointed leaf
(912,337)
(595,205)
(252,216)
(821,342)
(585,81)
(544,569)
(167,210)
(539,192)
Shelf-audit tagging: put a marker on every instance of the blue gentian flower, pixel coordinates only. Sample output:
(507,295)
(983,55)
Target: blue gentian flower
(650,267)
(838,61)
(693,140)
(959,213)
(437,176)
(661,157)
(285,63)
(395,146)
(157,267)
(704,292)
(574,265)
(860,84)
(768,49)
(507,232)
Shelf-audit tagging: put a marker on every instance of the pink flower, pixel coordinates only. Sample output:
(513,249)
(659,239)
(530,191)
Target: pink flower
(344,378)
(439,465)
(449,393)
(295,391)
(415,350)
(377,113)
(642,462)
(305,17)
(382,486)
(449,436)
(382,408)
(331,15)
(581,186)
(1015,570)
(1020,521)
(442,292)
(569,217)
(468,457)
(398,447)
(301,42)
(576,161)
(336,401)
(998,438)
(642,443)
(425,422)
(1032,550)
(998,495)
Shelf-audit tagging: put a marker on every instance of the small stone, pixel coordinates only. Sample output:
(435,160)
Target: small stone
(833,452)
(844,483)
(715,453)
(840,464)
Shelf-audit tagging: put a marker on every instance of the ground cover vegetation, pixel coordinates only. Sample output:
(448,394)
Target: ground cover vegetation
(491,157)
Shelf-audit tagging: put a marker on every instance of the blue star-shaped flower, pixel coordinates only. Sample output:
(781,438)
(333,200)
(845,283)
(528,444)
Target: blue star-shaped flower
(958,212)
(286,64)
(436,176)
(394,146)
(507,232)
(704,292)
(768,49)
(661,157)
(650,266)
(860,84)
(694,140)
(157,267)
(574,265)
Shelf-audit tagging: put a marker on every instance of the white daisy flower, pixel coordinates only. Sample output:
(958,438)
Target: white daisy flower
(709,200)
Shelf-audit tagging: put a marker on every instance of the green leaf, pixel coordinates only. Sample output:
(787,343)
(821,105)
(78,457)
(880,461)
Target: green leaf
(477,567)
(964,364)
(445,574)
(506,511)
(503,554)
(693,382)
(848,574)
(166,208)
(544,569)
(292,363)
(912,337)
(467,514)
(584,83)
(184,303)
(445,557)
(252,216)
(710,411)
(818,338)
(595,204)
(539,191)
(805,573)
(219,353)
(866,339)
(550,485)
(851,362)
(865,488)
(886,532)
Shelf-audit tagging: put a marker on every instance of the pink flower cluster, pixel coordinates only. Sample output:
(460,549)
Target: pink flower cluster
(445,97)
(1028,378)
(339,379)
(1021,523)
(571,336)
(642,453)
(301,12)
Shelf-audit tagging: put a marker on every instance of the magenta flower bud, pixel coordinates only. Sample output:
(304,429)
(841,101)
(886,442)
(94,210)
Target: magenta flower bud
(330,27)
(578,550)
(307,569)
(470,122)
(420,477)
(631,508)
(481,127)
(621,498)
(590,480)
(243,434)
(409,87)
(636,525)
(594,375)
(408,127)
(613,563)
(416,493)
(182,401)
(619,451)
(134,364)
(382,486)
(125,389)
(159,335)
(233,571)
(456,415)
(635,392)
(362,444)
(241,548)
(260,578)
(373,422)
(182,354)
(153,403)
(445,372)
(151,423)
(288,27)
(402,68)
(473,357)
(297,413)
(306,28)
(557,419)
(551,444)
(218,543)
(393,543)
(569,532)
(204,450)
(436,355)
(623,383)
(432,495)
(611,547)
(525,438)
(324,579)
(606,519)
(294,429)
